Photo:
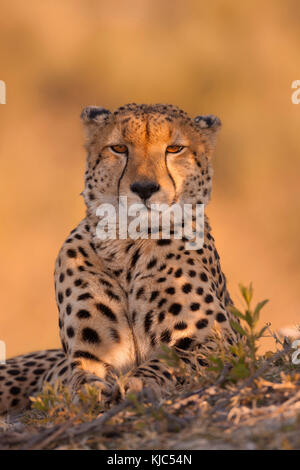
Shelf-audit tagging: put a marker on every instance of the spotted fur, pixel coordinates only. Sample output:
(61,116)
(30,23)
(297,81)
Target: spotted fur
(119,300)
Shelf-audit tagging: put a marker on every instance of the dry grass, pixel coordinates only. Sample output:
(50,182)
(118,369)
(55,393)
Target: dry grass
(262,413)
(240,401)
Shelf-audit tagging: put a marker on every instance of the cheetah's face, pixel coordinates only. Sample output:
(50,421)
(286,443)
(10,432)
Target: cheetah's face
(151,154)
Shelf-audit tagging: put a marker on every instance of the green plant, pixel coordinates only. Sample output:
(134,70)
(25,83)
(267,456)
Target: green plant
(241,357)
(55,404)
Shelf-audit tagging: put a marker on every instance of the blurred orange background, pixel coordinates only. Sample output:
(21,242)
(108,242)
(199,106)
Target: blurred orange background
(233,59)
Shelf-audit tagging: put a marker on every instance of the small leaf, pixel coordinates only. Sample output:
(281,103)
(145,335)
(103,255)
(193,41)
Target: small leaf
(259,335)
(236,312)
(240,371)
(247,293)
(249,318)
(237,327)
(258,308)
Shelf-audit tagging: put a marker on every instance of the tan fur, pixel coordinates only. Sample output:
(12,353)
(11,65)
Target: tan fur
(119,300)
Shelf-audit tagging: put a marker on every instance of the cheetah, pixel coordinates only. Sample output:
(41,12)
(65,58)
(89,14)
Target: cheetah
(120,300)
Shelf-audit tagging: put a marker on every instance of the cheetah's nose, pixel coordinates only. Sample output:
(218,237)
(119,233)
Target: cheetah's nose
(144,189)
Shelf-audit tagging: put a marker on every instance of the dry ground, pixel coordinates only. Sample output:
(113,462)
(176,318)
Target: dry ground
(259,412)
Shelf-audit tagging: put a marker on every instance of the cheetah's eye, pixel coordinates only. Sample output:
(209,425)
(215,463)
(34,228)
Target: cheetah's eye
(175,148)
(119,148)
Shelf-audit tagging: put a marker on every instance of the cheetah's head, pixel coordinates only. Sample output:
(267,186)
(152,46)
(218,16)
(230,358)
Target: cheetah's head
(154,154)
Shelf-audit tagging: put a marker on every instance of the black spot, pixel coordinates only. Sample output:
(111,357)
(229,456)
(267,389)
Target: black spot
(161,302)
(178,273)
(61,277)
(170,290)
(68,292)
(86,355)
(203,277)
(161,279)
(70,332)
(167,375)
(84,296)
(202,362)
(63,370)
(89,335)
(162,267)
(186,288)
(117,272)
(199,290)
(161,317)
(15,390)
(77,282)
(195,306)
(13,372)
(106,311)
(114,334)
(83,314)
(69,272)
(164,242)
(180,325)
(152,263)
(183,343)
(220,317)
(68,309)
(21,379)
(128,247)
(165,337)
(135,258)
(175,309)
(83,252)
(112,295)
(71,253)
(105,283)
(148,321)
(15,402)
(38,371)
(202,323)
(192,273)
(74,364)
(139,292)
(154,294)
(208,298)
(60,297)
(153,340)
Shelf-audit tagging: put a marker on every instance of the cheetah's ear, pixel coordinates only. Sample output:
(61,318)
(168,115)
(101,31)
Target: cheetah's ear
(209,127)
(92,118)
(94,114)
(208,122)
